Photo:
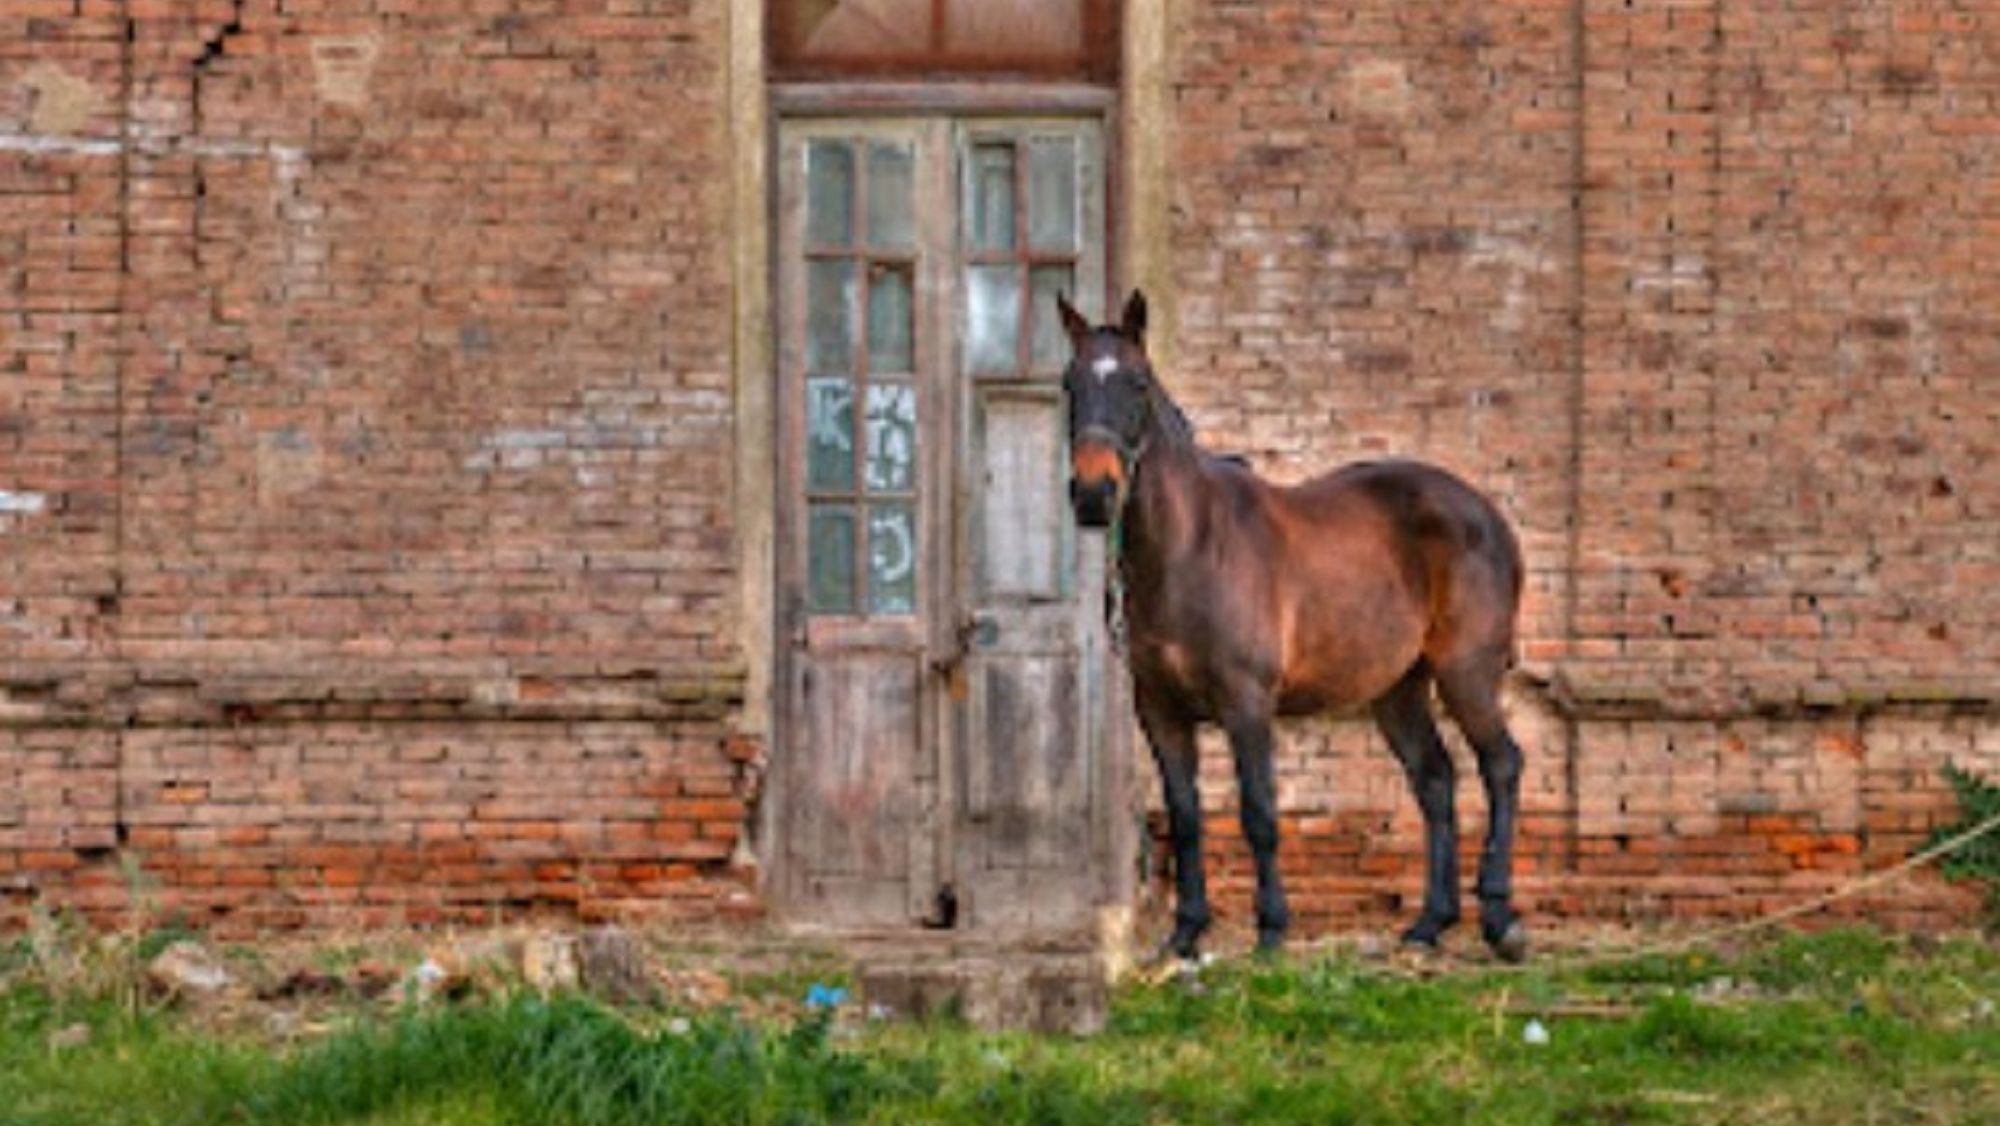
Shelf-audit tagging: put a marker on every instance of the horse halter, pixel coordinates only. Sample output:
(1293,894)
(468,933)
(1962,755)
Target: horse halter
(1129,451)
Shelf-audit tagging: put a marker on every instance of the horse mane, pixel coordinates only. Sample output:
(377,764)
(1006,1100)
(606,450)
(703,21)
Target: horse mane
(1170,421)
(1173,427)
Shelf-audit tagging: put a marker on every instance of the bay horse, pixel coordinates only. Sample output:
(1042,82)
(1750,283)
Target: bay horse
(1243,601)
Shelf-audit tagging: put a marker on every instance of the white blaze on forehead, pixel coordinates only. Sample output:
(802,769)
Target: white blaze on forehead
(1103,366)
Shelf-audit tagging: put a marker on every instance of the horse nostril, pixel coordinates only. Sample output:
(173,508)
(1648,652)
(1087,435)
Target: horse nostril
(1093,502)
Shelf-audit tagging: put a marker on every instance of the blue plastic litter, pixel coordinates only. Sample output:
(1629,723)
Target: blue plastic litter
(821,996)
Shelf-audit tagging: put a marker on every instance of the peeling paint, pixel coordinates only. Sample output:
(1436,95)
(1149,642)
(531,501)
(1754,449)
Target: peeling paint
(63,102)
(342,68)
(1520,260)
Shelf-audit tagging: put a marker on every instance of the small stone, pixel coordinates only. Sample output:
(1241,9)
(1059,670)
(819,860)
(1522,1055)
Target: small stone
(698,989)
(549,962)
(612,963)
(69,1036)
(428,981)
(188,969)
(1373,948)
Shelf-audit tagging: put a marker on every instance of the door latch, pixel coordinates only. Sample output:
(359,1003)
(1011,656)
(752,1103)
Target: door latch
(975,630)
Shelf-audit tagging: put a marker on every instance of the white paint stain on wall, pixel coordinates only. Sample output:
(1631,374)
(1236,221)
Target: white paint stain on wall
(22,504)
(67,145)
(1521,260)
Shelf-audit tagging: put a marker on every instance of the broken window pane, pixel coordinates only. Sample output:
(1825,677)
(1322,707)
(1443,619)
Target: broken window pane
(890,347)
(829,315)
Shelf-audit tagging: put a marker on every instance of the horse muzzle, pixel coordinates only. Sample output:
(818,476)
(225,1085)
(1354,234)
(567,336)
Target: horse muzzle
(1096,484)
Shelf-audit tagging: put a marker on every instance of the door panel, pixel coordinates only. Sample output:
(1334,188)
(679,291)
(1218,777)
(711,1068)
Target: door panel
(858,832)
(946,711)
(1030,751)
(862,569)
(1020,455)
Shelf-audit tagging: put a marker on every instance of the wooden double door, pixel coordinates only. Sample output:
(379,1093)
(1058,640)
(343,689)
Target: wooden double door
(947,752)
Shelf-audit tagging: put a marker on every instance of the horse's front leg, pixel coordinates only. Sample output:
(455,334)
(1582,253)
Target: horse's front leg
(1250,740)
(1172,738)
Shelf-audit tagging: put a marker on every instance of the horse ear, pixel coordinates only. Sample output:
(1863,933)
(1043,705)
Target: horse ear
(1072,321)
(1134,325)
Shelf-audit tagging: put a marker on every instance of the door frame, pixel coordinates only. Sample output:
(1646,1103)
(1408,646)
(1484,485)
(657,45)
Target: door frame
(948,106)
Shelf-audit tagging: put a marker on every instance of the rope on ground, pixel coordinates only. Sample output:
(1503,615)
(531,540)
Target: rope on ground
(1702,939)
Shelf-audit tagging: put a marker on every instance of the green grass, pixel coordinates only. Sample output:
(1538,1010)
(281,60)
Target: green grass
(1842,1028)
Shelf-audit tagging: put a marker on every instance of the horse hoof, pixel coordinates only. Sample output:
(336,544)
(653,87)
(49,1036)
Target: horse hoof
(1176,950)
(1427,933)
(1512,944)
(1423,945)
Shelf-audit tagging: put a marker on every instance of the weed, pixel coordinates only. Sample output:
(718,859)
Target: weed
(1841,1028)
(1979,860)
(571,1061)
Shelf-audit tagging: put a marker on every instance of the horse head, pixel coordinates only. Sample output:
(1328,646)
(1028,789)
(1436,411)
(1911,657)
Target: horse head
(1110,387)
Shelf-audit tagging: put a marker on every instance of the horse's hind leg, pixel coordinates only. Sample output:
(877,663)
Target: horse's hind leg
(1471,693)
(1404,715)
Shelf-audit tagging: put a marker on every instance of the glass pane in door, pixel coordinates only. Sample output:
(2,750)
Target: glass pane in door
(829,434)
(1049,345)
(891,215)
(990,194)
(831,549)
(829,316)
(993,319)
(891,348)
(892,559)
(892,438)
(1052,196)
(829,193)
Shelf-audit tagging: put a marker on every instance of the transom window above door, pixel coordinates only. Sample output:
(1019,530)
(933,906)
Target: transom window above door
(822,39)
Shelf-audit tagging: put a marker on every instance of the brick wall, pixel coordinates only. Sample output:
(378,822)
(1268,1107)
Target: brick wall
(366,545)
(1698,290)
(365,432)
